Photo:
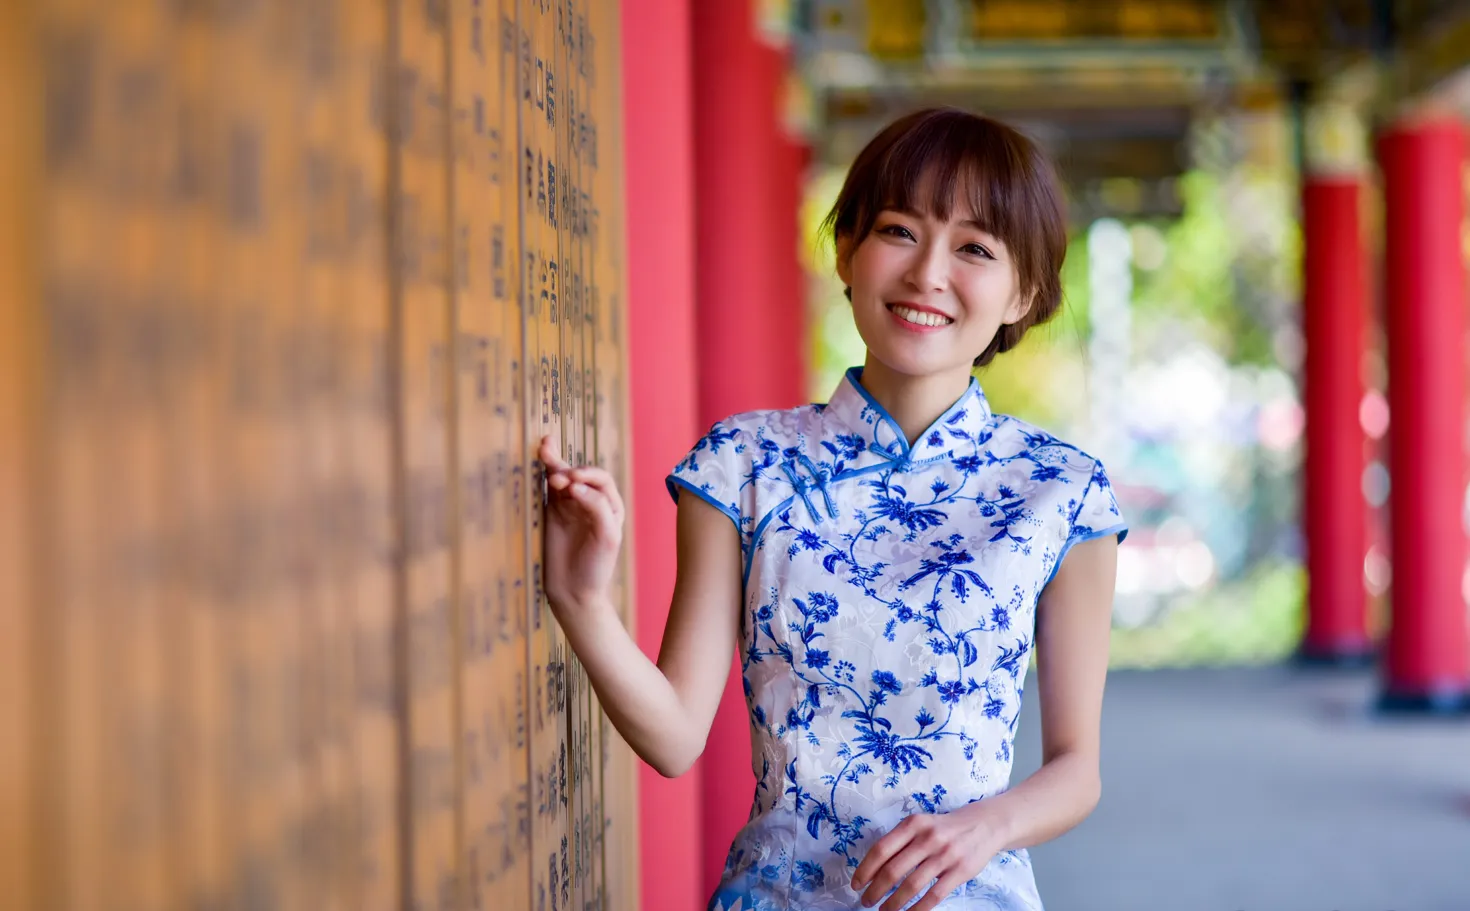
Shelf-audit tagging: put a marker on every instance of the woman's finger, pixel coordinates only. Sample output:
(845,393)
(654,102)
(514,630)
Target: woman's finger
(940,891)
(564,505)
(892,874)
(597,506)
(603,481)
(591,475)
(878,854)
(550,453)
(580,506)
(914,884)
(559,485)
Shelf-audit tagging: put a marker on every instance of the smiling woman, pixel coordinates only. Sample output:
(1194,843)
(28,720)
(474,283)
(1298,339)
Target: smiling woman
(884,565)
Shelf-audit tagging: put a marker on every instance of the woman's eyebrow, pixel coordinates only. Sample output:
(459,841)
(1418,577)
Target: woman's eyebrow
(976,224)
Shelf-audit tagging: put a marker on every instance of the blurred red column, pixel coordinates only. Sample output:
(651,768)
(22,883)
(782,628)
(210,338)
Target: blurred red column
(1428,658)
(659,136)
(1335,317)
(746,324)
(793,343)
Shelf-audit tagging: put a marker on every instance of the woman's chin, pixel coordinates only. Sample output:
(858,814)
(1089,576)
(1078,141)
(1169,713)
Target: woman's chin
(912,363)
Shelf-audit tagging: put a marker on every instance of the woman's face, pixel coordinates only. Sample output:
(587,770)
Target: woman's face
(927,295)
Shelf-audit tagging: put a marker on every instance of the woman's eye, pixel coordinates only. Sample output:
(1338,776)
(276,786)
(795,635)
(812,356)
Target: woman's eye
(976,250)
(895,231)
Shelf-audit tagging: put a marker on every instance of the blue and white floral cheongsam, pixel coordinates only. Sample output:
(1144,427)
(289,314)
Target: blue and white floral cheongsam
(889,615)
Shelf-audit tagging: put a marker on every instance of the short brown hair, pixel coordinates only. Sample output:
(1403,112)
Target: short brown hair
(1012,188)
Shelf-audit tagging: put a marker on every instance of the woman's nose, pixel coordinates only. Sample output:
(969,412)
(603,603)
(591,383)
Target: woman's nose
(927,271)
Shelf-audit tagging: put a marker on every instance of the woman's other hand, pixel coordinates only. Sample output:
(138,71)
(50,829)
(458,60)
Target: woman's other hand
(951,848)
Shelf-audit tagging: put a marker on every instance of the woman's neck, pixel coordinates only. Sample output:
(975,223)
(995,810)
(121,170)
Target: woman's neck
(915,402)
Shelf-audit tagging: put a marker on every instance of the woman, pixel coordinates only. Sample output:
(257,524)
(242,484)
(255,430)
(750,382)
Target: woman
(885,563)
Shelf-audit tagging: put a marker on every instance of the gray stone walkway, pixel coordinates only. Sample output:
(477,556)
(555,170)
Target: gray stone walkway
(1262,789)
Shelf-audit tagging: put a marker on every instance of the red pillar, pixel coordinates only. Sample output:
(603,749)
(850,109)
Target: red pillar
(1334,517)
(792,155)
(742,321)
(1428,656)
(659,137)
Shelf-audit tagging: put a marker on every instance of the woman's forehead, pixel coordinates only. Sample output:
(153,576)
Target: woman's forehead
(949,198)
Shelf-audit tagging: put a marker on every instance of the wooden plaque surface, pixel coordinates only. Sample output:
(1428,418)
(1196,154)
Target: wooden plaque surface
(290,290)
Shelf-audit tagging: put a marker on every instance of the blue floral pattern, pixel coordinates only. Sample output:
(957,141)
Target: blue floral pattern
(889,618)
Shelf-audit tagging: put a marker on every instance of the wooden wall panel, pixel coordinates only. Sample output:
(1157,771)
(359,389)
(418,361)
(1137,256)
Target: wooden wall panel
(312,279)
(516,585)
(23,703)
(196,486)
(603,217)
(576,362)
(260,276)
(561,84)
(369,526)
(541,287)
(234,205)
(495,861)
(77,386)
(139,701)
(422,259)
(319,367)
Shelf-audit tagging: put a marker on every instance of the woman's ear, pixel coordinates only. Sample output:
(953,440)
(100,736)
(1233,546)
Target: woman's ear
(1021,305)
(844,258)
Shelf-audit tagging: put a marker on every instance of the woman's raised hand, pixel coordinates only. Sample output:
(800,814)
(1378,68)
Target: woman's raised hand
(582,534)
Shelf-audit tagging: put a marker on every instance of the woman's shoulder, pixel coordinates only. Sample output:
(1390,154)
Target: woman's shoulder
(1071,478)
(770,426)
(729,464)
(1037,443)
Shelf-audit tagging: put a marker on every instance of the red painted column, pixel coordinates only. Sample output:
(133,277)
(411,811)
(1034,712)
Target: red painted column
(742,323)
(1334,516)
(792,155)
(659,136)
(1428,655)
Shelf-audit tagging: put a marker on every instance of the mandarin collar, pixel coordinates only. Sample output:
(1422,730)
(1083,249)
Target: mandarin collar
(857,412)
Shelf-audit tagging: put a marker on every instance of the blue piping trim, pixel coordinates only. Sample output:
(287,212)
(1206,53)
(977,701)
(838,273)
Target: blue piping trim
(855,472)
(854,375)
(755,542)
(905,464)
(1120,530)
(674,483)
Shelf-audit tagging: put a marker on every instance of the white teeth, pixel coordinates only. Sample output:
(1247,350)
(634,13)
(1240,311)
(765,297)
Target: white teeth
(920,317)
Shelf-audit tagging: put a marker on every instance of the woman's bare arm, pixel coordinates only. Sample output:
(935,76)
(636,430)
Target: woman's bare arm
(664,710)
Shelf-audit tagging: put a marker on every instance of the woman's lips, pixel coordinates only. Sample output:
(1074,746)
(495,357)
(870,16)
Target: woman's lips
(934,319)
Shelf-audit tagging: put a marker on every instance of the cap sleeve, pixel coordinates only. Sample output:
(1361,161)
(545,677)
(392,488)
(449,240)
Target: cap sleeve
(712,471)
(1097,513)
(1094,515)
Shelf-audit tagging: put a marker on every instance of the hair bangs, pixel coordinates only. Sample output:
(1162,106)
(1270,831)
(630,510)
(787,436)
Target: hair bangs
(945,164)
